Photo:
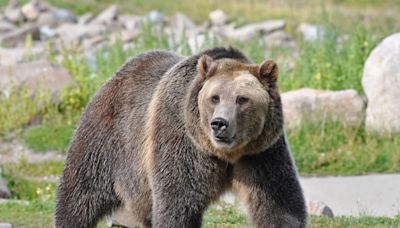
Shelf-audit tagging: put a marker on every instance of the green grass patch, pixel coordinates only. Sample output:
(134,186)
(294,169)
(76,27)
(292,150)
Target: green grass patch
(39,213)
(51,168)
(45,137)
(333,149)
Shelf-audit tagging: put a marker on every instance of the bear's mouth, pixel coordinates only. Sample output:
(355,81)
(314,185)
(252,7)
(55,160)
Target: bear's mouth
(224,140)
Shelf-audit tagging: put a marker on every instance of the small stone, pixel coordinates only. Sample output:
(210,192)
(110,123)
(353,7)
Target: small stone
(251,31)
(86,18)
(311,32)
(155,17)
(319,209)
(279,39)
(6,26)
(218,17)
(31,10)
(19,35)
(108,15)
(130,22)
(13,12)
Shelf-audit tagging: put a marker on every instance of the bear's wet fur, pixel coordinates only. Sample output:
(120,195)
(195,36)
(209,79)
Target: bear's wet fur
(140,147)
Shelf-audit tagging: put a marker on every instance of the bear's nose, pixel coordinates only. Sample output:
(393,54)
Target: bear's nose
(219,124)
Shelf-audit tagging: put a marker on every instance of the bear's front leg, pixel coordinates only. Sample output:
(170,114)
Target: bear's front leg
(184,183)
(267,183)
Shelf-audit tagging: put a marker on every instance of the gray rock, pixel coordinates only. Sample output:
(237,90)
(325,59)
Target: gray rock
(47,33)
(155,17)
(181,27)
(32,9)
(108,15)
(218,17)
(34,76)
(311,32)
(86,18)
(13,12)
(319,208)
(250,31)
(309,105)
(130,22)
(19,35)
(93,42)
(4,191)
(53,18)
(73,34)
(6,26)
(12,56)
(6,225)
(279,39)
(381,83)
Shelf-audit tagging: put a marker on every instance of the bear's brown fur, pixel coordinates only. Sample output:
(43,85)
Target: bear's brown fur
(167,135)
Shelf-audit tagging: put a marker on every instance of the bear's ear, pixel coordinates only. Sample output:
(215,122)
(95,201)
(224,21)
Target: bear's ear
(203,66)
(268,72)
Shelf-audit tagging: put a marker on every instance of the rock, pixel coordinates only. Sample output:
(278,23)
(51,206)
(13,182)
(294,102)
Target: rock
(73,34)
(130,22)
(155,17)
(11,56)
(309,105)
(40,75)
(4,191)
(250,31)
(32,9)
(56,17)
(279,39)
(180,27)
(381,84)
(218,17)
(47,33)
(108,15)
(19,35)
(311,33)
(86,18)
(6,225)
(12,12)
(93,42)
(319,209)
(6,27)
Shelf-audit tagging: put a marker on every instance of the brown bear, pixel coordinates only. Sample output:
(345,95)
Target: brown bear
(167,135)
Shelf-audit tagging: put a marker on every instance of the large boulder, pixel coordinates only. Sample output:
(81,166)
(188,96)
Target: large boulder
(381,83)
(35,76)
(6,26)
(309,105)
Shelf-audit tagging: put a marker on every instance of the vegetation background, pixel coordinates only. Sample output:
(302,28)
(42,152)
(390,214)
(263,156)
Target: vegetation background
(328,148)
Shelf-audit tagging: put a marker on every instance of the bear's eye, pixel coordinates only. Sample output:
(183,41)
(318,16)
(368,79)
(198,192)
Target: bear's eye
(215,99)
(242,100)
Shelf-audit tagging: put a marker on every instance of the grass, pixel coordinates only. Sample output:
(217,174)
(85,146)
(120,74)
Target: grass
(333,149)
(40,214)
(45,138)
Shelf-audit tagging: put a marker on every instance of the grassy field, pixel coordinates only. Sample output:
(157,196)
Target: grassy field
(319,149)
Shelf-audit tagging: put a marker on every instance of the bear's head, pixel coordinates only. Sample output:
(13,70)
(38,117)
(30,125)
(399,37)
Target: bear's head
(234,107)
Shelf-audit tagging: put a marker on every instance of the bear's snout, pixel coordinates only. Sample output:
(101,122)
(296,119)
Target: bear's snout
(219,126)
